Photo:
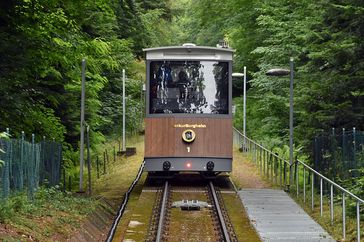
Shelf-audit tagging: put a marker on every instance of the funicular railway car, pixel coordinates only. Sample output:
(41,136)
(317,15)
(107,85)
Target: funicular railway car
(188,124)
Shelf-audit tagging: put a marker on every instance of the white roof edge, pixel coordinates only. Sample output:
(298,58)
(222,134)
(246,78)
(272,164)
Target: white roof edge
(189,47)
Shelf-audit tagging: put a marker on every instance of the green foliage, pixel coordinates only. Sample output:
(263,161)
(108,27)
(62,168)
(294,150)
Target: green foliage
(50,203)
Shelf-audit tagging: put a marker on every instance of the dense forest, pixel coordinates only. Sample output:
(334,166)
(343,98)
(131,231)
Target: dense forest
(43,42)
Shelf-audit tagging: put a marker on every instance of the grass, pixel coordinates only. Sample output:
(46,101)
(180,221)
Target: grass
(334,229)
(52,215)
(113,185)
(134,226)
(238,217)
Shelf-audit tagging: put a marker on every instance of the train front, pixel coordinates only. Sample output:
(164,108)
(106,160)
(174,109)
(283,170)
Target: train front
(188,124)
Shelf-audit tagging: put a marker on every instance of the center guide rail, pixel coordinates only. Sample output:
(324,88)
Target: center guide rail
(165,206)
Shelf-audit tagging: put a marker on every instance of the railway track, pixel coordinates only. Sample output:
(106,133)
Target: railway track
(200,214)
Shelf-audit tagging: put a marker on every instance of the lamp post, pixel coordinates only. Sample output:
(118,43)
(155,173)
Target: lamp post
(124,147)
(82,123)
(284,72)
(237,74)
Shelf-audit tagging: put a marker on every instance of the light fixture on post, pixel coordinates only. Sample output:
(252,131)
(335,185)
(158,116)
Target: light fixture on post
(285,72)
(238,74)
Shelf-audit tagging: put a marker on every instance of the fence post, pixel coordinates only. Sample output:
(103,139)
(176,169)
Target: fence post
(304,184)
(343,147)
(284,173)
(280,171)
(97,167)
(263,161)
(358,220)
(271,166)
(321,195)
(104,163)
(312,190)
(114,155)
(275,169)
(88,160)
(64,177)
(333,148)
(260,160)
(22,160)
(297,177)
(69,183)
(31,175)
(107,158)
(332,204)
(255,153)
(354,150)
(344,217)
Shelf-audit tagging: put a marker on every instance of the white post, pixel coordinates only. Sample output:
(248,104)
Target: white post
(82,138)
(124,146)
(291,123)
(244,114)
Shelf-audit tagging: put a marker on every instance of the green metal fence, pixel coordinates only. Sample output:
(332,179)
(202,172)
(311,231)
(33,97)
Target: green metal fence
(28,165)
(339,155)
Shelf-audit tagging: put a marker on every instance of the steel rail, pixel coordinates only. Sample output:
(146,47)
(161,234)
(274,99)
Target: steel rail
(121,209)
(219,213)
(162,213)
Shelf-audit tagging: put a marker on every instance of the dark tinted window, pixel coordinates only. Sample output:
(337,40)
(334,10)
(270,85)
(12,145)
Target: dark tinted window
(189,87)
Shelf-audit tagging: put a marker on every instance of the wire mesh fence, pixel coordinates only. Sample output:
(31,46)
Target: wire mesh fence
(28,165)
(339,155)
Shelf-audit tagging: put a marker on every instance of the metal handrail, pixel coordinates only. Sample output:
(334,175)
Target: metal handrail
(331,182)
(265,163)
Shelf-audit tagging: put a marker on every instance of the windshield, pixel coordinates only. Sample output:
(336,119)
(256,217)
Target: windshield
(200,87)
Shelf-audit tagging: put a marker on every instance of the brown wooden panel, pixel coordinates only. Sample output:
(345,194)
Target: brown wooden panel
(164,139)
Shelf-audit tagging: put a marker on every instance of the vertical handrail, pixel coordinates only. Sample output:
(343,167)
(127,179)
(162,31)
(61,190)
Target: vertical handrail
(344,217)
(304,184)
(297,179)
(358,220)
(321,197)
(312,191)
(332,204)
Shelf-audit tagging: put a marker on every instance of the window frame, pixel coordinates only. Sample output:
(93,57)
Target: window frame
(187,115)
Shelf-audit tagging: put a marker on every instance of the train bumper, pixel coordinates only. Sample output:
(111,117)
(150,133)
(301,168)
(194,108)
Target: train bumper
(188,164)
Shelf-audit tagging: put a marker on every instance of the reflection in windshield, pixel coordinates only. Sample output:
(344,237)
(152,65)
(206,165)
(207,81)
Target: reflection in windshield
(189,87)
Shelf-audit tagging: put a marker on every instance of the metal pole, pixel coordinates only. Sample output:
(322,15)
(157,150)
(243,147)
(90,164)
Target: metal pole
(358,220)
(82,138)
(124,148)
(244,106)
(304,184)
(321,194)
(354,167)
(88,159)
(312,191)
(291,122)
(344,217)
(297,178)
(332,204)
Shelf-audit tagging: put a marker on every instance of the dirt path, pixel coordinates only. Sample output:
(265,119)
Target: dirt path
(245,174)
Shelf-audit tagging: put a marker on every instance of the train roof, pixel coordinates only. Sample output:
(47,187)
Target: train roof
(188,51)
